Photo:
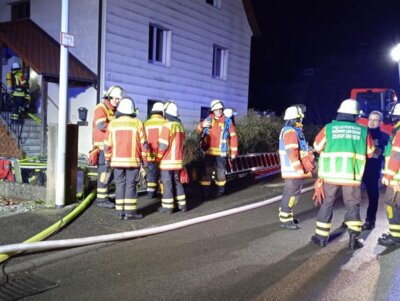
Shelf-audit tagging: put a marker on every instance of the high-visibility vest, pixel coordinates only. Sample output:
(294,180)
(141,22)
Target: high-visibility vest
(171,143)
(103,113)
(153,127)
(388,151)
(126,143)
(343,159)
(287,168)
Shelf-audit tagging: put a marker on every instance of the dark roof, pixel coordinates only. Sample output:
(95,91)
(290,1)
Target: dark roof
(41,52)
(251,18)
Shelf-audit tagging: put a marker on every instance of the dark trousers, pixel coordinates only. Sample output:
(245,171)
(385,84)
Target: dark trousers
(290,197)
(18,108)
(172,188)
(392,200)
(371,181)
(351,200)
(212,163)
(102,188)
(152,178)
(126,180)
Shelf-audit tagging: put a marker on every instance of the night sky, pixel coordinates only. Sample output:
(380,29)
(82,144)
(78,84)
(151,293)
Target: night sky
(314,52)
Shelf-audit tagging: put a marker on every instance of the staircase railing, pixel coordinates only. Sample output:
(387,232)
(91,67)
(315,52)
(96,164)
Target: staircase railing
(6,107)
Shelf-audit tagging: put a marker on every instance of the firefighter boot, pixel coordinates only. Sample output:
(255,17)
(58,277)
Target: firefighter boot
(354,242)
(220,191)
(182,208)
(318,241)
(291,225)
(388,240)
(133,215)
(162,209)
(205,193)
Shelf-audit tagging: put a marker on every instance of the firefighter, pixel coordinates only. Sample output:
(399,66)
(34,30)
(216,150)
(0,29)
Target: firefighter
(297,163)
(344,146)
(18,88)
(373,167)
(153,128)
(170,157)
(391,178)
(104,113)
(126,151)
(219,142)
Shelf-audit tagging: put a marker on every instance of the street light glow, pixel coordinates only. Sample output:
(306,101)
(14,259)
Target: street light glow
(396,53)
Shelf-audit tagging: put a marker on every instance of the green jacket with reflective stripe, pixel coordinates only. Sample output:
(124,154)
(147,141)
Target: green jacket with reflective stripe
(343,159)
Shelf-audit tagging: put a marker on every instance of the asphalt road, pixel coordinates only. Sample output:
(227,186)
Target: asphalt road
(246,256)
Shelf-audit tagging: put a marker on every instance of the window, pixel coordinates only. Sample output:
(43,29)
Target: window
(20,10)
(220,62)
(215,3)
(159,45)
(204,112)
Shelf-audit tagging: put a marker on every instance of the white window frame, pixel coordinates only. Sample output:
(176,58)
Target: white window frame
(165,47)
(220,62)
(215,3)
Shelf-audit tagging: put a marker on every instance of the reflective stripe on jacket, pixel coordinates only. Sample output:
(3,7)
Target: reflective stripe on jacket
(343,147)
(126,143)
(171,145)
(392,156)
(153,128)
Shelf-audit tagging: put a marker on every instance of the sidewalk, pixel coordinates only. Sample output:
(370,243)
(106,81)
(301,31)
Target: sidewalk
(96,221)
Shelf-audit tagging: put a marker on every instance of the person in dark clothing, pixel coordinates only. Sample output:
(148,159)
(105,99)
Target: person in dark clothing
(373,168)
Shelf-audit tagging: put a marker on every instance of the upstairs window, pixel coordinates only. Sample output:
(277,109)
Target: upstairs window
(220,62)
(20,10)
(159,45)
(215,3)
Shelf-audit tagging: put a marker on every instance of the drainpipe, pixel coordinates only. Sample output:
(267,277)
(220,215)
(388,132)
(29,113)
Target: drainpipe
(99,51)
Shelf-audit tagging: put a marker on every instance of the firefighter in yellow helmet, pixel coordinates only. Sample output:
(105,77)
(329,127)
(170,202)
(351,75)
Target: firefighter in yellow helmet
(391,178)
(18,88)
(344,147)
(297,163)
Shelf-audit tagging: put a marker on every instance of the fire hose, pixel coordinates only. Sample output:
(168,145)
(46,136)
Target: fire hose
(33,244)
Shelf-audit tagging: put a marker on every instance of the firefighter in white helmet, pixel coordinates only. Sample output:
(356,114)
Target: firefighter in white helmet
(126,152)
(218,141)
(153,127)
(104,112)
(391,178)
(344,147)
(297,163)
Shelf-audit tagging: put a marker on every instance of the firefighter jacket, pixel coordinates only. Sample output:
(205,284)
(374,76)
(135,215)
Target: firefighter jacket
(343,147)
(292,147)
(103,113)
(17,84)
(220,139)
(392,157)
(171,145)
(153,127)
(126,143)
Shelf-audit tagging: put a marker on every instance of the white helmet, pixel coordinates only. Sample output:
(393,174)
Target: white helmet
(115,92)
(294,112)
(216,104)
(157,107)
(126,106)
(349,106)
(229,112)
(395,110)
(15,66)
(171,109)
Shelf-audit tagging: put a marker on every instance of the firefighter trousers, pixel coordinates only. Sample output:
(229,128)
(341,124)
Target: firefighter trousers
(152,178)
(290,197)
(351,200)
(392,200)
(212,163)
(126,180)
(103,192)
(172,186)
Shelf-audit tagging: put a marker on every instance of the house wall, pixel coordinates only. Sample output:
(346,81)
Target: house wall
(195,27)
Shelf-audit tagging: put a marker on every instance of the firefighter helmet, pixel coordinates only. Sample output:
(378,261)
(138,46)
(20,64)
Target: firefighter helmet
(216,104)
(15,66)
(115,92)
(126,106)
(171,109)
(294,112)
(157,107)
(349,106)
(229,112)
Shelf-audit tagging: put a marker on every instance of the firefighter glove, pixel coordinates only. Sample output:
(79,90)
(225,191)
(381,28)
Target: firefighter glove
(184,176)
(319,194)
